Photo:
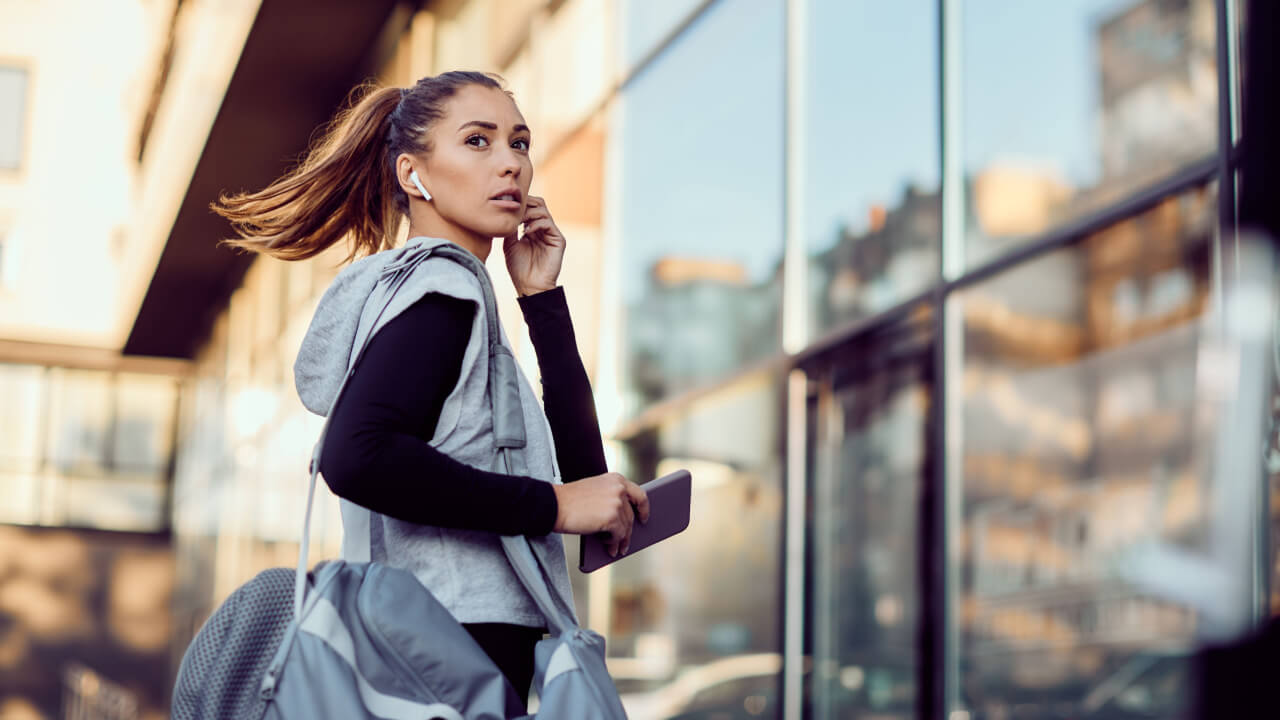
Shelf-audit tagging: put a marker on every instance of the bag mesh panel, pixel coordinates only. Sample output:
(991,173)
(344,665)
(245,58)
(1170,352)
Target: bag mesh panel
(224,665)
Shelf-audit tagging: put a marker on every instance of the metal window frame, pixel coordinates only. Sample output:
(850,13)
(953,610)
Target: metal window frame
(794,335)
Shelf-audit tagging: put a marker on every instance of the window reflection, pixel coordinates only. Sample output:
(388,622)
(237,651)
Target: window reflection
(872,203)
(86,448)
(1080,444)
(143,437)
(695,620)
(869,465)
(22,387)
(701,203)
(646,23)
(1071,105)
(80,420)
(114,503)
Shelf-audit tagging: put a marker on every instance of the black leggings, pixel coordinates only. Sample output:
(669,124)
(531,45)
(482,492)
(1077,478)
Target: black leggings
(510,647)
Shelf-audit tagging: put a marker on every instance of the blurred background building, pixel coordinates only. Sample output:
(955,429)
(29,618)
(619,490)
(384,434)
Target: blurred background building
(921,291)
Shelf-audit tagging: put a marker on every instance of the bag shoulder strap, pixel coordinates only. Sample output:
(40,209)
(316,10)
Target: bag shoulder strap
(392,278)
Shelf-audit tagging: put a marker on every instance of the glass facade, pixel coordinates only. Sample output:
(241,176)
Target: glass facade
(86,448)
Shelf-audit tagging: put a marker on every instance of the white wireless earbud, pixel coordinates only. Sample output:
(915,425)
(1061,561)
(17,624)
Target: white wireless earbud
(413,177)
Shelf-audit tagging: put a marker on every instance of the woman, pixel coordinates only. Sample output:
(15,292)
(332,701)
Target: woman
(452,155)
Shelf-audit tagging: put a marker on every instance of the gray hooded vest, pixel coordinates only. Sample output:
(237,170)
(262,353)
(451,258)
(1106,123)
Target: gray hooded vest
(465,570)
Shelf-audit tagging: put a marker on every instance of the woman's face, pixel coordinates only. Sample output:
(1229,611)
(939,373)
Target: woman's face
(478,171)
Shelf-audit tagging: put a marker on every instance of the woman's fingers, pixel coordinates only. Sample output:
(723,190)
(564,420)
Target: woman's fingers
(640,499)
(537,227)
(634,505)
(534,212)
(627,519)
(534,207)
(635,508)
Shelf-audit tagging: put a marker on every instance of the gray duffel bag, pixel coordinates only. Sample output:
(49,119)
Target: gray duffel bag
(365,640)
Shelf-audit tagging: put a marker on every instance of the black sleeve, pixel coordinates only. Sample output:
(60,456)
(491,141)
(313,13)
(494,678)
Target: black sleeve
(566,391)
(376,452)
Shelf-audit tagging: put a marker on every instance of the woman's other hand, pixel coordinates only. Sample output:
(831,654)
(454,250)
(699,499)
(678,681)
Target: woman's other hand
(534,259)
(607,503)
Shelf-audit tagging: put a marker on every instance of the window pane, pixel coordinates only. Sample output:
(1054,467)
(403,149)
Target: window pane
(22,387)
(872,208)
(1070,105)
(80,409)
(1080,448)
(689,632)
(114,504)
(644,24)
(13,111)
(701,203)
(145,406)
(868,469)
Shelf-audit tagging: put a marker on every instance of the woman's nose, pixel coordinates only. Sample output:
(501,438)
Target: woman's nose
(511,164)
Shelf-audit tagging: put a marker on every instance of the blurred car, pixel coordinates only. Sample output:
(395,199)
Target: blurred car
(708,688)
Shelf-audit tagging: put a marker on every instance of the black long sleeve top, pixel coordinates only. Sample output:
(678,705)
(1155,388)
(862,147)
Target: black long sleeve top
(377,453)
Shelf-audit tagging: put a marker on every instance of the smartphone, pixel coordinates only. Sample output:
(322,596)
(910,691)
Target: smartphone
(669,498)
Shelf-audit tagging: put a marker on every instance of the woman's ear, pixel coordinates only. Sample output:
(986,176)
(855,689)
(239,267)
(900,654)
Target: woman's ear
(410,181)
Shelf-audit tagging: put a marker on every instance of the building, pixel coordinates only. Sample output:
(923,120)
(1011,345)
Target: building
(920,292)
(105,106)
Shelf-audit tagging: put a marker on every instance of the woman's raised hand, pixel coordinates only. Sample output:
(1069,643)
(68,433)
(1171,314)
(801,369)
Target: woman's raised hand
(607,503)
(534,259)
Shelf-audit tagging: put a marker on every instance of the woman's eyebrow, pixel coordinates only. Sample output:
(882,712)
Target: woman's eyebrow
(491,126)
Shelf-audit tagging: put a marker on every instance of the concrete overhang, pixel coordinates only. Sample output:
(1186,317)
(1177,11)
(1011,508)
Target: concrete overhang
(300,60)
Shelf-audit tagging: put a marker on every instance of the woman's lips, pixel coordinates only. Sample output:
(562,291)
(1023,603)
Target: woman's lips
(507,204)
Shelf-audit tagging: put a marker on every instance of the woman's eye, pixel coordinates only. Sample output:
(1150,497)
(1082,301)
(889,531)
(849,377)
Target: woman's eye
(480,138)
(522,144)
